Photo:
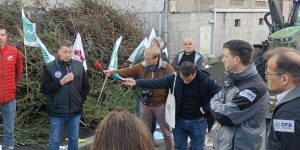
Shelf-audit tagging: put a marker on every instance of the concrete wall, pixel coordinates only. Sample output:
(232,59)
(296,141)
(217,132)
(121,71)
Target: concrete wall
(194,21)
(247,4)
(150,12)
(249,29)
(191,5)
(182,25)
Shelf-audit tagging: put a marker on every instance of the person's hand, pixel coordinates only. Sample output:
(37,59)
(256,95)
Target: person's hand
(129,82)
(67,78)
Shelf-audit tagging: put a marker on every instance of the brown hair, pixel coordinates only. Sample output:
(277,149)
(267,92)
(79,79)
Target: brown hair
(187,68)
(2,26)
(287,62)
(66,43)
(153,51)
(240,48)
(122,131)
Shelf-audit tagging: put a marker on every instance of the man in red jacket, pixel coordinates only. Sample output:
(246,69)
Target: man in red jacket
(10,72)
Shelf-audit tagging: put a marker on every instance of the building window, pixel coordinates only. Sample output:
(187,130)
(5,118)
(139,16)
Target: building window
(261,21)
(237,22)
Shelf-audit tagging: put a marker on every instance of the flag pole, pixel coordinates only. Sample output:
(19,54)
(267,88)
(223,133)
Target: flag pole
(26,70)
(101,90)
(25,55)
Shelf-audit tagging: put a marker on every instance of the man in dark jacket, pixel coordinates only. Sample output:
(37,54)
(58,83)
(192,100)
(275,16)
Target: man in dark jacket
(66,86)
(193,90)
(188,54)
(283,78)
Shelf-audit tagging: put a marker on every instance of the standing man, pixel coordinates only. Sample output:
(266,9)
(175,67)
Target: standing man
(156,42)
(159,43)
(11,72)
(283,78)
(153,100)
(66,87)
(193,91)
(189,54)
(241,106)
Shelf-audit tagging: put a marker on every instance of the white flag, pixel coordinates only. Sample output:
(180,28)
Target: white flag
(31,38)
(141,47)
(151,36)
(78,53)
(166,52)
(113,64)
(46,55)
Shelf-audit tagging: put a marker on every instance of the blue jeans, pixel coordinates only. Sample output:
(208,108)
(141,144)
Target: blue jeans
(153,125)
(57,126)
(8,115)
(138,108)
(195,129)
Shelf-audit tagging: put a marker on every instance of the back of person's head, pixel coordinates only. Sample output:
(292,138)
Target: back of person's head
(122,131)
(242,49)
(287,61)
(187,68)
(152,51)
(159,41)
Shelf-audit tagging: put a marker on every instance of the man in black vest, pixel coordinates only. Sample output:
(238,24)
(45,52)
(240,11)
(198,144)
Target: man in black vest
(66,86)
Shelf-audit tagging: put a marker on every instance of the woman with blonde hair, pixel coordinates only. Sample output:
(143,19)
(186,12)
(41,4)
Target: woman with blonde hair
(122,131)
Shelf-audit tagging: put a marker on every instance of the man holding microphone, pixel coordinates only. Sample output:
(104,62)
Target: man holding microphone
(66,86)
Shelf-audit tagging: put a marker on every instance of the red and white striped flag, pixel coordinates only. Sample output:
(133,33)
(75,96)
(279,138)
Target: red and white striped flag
(78,53)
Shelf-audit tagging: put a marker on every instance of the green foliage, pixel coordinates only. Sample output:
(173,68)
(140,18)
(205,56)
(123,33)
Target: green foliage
(99,25)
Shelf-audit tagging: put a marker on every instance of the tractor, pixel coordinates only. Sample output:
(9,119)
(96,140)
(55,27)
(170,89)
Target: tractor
(282,34)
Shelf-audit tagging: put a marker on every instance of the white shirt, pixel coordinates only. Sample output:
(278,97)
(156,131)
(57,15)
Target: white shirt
(282,95)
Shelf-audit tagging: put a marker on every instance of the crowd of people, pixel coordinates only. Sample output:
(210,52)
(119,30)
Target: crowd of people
(238,109)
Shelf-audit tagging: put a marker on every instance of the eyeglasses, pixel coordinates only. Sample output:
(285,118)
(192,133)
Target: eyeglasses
(271,74)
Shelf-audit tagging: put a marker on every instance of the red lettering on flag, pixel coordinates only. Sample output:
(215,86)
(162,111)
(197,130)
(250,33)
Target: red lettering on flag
(78,53)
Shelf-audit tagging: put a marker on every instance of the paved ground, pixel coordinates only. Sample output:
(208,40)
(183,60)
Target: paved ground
(208,143)
(18,147)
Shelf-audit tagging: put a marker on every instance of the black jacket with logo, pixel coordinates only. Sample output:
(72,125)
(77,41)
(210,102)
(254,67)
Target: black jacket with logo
(66,100)
(284,133)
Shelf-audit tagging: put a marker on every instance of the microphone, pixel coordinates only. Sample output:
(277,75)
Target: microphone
(117,77)
(68,67)
(98,67)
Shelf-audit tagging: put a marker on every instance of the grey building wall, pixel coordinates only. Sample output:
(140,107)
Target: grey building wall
(249,4)
(196,18)
(183,25)
(249,29)
(151,13)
